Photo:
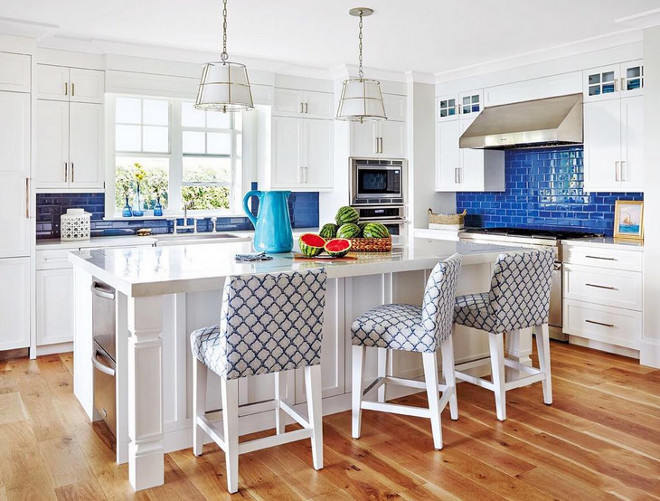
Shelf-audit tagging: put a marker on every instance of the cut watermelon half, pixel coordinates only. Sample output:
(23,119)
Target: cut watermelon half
(337,247)
(311,245)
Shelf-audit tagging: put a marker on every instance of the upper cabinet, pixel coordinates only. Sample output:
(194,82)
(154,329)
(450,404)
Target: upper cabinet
(302,103)
(15,72)
(614,81)
(61,83)
(382,138)
(462,105)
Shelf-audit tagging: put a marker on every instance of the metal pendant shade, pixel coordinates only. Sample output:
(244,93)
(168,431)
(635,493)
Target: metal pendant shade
(225,85)
(361,98)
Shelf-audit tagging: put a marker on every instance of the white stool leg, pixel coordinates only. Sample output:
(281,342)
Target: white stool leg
(313,387)
(382,372)
(200,373)
(280,396)
(358,364)
(431,376)
(543,347)
(447,349)
(230,428)
(496,342)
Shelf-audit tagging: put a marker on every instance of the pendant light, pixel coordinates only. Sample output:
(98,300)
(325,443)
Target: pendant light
(225,85)
(361,98)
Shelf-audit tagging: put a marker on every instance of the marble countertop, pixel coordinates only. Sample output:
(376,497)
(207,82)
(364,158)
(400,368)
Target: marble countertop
(118,241)
(148,271)
(632,245)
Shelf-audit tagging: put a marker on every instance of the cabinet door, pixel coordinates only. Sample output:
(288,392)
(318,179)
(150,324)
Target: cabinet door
(447,156)
(52,157)
(15,132)
(288,102)
(363,139)
(54,306)
(392,139)
(471,175)
(286,154)
(632,144)
(395,107)
(319,104)
(14,200)
(602,145)
(87,86)
(15,72)
(318,150)
(446,108)
(86,145)
(14,303)
(53,82)
(601,83)
(632,78)
(470,103)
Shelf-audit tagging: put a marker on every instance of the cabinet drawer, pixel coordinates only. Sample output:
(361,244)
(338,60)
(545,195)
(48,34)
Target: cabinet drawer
(613,259)
(615,326)
(53,259)
(622,289)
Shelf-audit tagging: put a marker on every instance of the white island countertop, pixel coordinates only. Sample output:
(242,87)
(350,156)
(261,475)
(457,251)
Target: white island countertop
(150,271)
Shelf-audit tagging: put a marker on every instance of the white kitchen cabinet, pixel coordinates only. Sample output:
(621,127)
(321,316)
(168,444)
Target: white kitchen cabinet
(302,153)
(378,139)
(465,169)
(15,70)
(61,83)
(613,81)
(15,303)
(614,145)
(395,107)
(15,132)
(466,104)
(54,306)
(69,149)
(311,104)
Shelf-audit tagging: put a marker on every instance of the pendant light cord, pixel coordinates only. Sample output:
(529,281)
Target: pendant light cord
(224,56)
(360,72)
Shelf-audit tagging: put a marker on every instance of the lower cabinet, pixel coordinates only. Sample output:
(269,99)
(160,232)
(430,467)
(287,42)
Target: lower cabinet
(54,306)
(15,303)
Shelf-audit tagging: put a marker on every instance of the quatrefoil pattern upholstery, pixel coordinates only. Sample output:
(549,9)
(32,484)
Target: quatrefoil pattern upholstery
(414,328)
(519,294)
(269,323)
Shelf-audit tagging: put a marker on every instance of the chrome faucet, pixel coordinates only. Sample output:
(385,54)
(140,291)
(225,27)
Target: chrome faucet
(185,225)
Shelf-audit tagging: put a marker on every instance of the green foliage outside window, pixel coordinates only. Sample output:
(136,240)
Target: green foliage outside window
(153,183)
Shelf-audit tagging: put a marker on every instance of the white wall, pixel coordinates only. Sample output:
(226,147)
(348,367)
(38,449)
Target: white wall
(650,348)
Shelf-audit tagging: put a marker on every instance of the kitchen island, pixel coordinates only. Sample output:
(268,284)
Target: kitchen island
(163,294)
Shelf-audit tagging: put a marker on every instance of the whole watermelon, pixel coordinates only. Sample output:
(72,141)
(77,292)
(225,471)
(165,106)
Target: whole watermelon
(375,230)
(329,231)
(346,215)
(348,230)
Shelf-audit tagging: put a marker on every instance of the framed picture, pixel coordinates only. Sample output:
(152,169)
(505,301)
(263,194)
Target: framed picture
(629,220)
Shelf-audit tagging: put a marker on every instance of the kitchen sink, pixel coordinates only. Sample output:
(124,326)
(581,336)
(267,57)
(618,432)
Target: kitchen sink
(192,238)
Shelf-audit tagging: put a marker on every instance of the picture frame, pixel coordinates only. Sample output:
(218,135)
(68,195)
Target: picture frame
(629,220)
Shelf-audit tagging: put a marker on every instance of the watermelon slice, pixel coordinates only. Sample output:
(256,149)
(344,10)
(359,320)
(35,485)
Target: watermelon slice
(311,245)
(337,247)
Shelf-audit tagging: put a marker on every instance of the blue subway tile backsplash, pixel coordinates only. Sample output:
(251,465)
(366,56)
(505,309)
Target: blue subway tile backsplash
(303,209)
(544,190)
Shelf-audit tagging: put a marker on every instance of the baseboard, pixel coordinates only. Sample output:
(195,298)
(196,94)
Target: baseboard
(11,354)
(609,348)
(649,352)
(53,349)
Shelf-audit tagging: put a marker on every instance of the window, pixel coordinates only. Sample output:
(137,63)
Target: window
(181,156)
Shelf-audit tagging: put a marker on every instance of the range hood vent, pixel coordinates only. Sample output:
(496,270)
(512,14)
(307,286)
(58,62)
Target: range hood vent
(541,122)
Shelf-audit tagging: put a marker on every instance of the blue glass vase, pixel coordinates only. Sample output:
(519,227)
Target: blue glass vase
(158,208)
(127,211)
(137,203)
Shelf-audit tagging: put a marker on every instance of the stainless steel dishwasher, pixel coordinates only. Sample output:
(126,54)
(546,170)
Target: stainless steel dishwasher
(104,355)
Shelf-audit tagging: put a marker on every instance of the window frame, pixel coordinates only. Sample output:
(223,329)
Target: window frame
(175,158)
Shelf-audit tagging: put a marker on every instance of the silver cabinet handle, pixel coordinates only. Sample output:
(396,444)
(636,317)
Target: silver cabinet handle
(306,107)
(100,291)
(617,168)
(376,147)
(66,172)
(596,286)
(27,198)
(616,85)
(624,177)
(601,258)
(72,172)
(66,88)
(457,177)
(73,89)
(599,323)
(623,83)
(306,174)
(101,366)
(302,107)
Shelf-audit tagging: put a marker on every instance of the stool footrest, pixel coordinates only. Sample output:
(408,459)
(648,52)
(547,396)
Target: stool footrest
(406,410)
(274,440)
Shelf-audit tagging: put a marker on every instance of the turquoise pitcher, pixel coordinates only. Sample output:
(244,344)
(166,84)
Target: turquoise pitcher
(272,227)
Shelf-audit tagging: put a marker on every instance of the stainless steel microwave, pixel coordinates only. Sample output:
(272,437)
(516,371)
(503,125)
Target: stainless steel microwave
(377,181)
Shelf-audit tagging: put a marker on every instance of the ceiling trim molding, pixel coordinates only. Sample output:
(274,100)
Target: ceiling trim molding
(27,29)
(622,37)
(643,20)
(419,77)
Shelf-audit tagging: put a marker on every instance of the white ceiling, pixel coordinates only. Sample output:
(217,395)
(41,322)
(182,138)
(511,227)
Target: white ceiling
(416,35)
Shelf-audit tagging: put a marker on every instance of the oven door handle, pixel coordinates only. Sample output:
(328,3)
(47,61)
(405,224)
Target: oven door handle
(105,369)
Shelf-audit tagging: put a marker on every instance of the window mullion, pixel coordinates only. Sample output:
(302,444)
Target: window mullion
(176,157)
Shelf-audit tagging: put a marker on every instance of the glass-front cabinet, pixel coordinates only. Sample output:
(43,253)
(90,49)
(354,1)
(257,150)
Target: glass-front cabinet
(446,108)
(614,81)
(463,105)
(470,103)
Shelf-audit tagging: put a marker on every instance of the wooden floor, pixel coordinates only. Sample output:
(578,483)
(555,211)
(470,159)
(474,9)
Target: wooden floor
(599,440)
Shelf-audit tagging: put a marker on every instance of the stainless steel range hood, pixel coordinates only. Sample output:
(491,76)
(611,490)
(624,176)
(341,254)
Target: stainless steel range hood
(541,122)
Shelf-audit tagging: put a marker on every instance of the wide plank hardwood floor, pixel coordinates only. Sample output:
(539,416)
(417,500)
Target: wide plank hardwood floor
(599,440)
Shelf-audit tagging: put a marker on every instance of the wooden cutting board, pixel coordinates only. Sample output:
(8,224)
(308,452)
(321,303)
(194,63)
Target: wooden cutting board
(323,257)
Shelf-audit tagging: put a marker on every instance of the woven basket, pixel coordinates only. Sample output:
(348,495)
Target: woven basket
(371,244)
(449,219)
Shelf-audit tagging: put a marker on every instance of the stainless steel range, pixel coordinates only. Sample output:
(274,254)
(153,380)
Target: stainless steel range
(524,237)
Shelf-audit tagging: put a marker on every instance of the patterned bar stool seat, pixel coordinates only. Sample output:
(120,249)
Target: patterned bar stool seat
(424,329)
(269,324)
(519,298)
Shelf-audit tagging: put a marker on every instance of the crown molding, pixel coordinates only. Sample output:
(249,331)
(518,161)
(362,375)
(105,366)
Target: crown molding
(622,37)
(643,20)
(419,77)
(27,29)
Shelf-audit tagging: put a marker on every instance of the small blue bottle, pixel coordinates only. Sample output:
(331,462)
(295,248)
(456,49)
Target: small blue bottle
(158,208)
(127,211)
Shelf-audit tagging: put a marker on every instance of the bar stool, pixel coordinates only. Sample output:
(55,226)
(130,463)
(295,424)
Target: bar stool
(269,324)
(519,298)
(423,329)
